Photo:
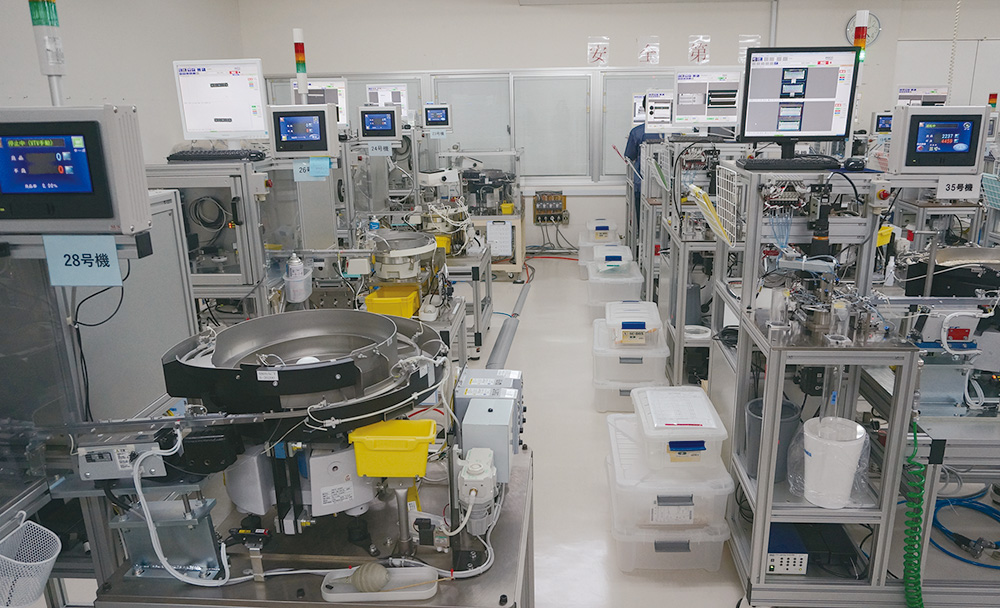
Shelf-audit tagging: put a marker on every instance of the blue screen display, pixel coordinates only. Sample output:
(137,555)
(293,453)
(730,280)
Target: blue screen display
(436,116)
(44,164)
(944,136)
(299,128)
(378,121)
(884,124)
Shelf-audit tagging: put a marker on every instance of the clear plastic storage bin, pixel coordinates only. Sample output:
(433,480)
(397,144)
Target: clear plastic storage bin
(647,498)
(617,396)
(680,427)
(633,323)
(659,549)
(604,253)
(600,230)
(636,364)
(612,285)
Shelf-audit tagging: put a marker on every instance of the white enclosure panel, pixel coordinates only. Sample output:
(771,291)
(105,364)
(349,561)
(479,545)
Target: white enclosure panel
(618,91)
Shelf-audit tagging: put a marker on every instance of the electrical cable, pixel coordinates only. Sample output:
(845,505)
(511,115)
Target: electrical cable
(968,502)
(465,520)
(154,537)
(912,537)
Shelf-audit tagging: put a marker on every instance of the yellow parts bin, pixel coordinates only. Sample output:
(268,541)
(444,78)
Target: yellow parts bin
(507,208)
(393,448)
(443,242)
(884,236)
(401,300)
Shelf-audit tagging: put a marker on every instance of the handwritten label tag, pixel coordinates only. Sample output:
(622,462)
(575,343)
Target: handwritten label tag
(302,171)
(379,148)
(959,187)
(82,260)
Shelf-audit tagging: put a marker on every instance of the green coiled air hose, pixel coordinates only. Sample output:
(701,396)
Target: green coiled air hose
(912,541)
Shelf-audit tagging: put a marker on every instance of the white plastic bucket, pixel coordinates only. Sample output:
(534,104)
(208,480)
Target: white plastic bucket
(832,451)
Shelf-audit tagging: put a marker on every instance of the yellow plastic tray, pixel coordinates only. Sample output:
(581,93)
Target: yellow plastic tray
(393,448)
(395,300)
(443,241)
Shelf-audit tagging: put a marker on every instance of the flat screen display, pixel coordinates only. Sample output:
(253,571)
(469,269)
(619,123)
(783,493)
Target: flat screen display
(378,124)
(436,117)
(45,164)
(299,128)
(707,97)
(944,137)
(798,93)
(222,99)
(883,123)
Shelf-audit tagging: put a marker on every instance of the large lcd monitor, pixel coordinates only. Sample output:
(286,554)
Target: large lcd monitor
(707,97)
(303,130)
(936,140)
(378,123)
(222,99)
(798,94)
(72,170)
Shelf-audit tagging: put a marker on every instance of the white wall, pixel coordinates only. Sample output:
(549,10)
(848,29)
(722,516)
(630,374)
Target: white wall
(119,51)
(387,35)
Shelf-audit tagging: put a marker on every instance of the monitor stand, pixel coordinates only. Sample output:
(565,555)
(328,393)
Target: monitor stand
(787,149)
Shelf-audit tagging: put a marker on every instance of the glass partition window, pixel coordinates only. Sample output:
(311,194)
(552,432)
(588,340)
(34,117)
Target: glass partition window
(552,124)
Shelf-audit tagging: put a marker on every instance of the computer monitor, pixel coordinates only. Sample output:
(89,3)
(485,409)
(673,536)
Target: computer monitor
(437,116)
(322,91)
(222,99)
(881,123)
(376,123)
(389,95)
(659,111)
(707,98)
(302,131)
(798,94)
(921,96)
(938,140)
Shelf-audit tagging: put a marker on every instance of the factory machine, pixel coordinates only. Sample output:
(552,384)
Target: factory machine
(235,464)
(862,296)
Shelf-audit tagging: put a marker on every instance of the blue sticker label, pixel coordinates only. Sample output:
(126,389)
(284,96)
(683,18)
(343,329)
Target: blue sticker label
(82,260)
(319,166)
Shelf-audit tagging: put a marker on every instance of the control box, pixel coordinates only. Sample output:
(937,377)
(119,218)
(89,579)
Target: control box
(786,551)
(492,423)
(550,208)
(112,456)
(491,384)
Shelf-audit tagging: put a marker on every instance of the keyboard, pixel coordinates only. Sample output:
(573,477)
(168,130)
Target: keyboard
(799,163)
(217,155)
(685,138)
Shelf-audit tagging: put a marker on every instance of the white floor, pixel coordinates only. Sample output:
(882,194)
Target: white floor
(575,562)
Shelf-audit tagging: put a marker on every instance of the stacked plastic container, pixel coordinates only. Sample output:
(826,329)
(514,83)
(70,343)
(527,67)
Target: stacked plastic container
(611,283)
(598,232)
(630,351)
(669,487)
(606,256)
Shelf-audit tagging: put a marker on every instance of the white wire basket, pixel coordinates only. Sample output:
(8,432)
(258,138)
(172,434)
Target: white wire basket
(26,558)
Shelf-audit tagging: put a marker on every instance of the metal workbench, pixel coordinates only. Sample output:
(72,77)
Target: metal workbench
(510,582)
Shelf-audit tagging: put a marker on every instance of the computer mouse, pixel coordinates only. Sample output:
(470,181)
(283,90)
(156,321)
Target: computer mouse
(854,164)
